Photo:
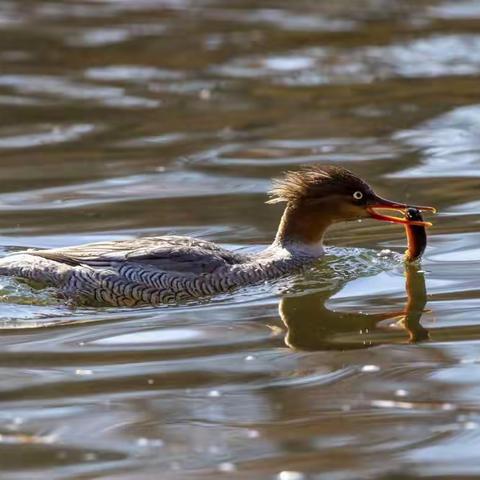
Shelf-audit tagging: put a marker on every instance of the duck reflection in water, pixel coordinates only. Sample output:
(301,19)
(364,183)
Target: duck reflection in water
(312,326)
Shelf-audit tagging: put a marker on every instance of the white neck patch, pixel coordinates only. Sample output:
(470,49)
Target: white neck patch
(298,249)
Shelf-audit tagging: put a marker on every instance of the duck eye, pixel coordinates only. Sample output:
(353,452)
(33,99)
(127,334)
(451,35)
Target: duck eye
(358,195)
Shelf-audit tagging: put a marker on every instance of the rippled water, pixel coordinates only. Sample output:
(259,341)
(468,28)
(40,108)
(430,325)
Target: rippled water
(124,118)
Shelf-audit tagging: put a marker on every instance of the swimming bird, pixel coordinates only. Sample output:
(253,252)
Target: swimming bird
(168,269)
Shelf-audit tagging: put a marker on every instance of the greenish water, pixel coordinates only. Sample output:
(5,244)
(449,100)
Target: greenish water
(126,118)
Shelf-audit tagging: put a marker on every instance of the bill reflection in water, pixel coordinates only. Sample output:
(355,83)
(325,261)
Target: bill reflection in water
(312,326)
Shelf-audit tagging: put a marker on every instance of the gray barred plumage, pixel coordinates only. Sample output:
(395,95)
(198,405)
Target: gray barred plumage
(152,270)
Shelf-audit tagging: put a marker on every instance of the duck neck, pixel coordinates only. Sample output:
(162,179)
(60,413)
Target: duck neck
(301,231)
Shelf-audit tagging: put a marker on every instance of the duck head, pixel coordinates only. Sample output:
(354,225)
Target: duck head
(317,196)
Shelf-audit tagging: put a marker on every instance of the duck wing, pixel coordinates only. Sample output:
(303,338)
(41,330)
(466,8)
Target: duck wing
(167,253)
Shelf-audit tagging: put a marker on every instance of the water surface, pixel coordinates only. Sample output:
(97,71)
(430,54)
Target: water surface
(121,119)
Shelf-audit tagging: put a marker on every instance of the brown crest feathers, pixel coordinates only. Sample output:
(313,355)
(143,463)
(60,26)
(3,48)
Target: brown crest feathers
(313,181)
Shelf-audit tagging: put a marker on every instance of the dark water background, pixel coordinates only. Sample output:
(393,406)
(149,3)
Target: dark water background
(122,118)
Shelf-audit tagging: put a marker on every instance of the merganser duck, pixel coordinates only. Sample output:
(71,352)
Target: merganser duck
(169,269)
